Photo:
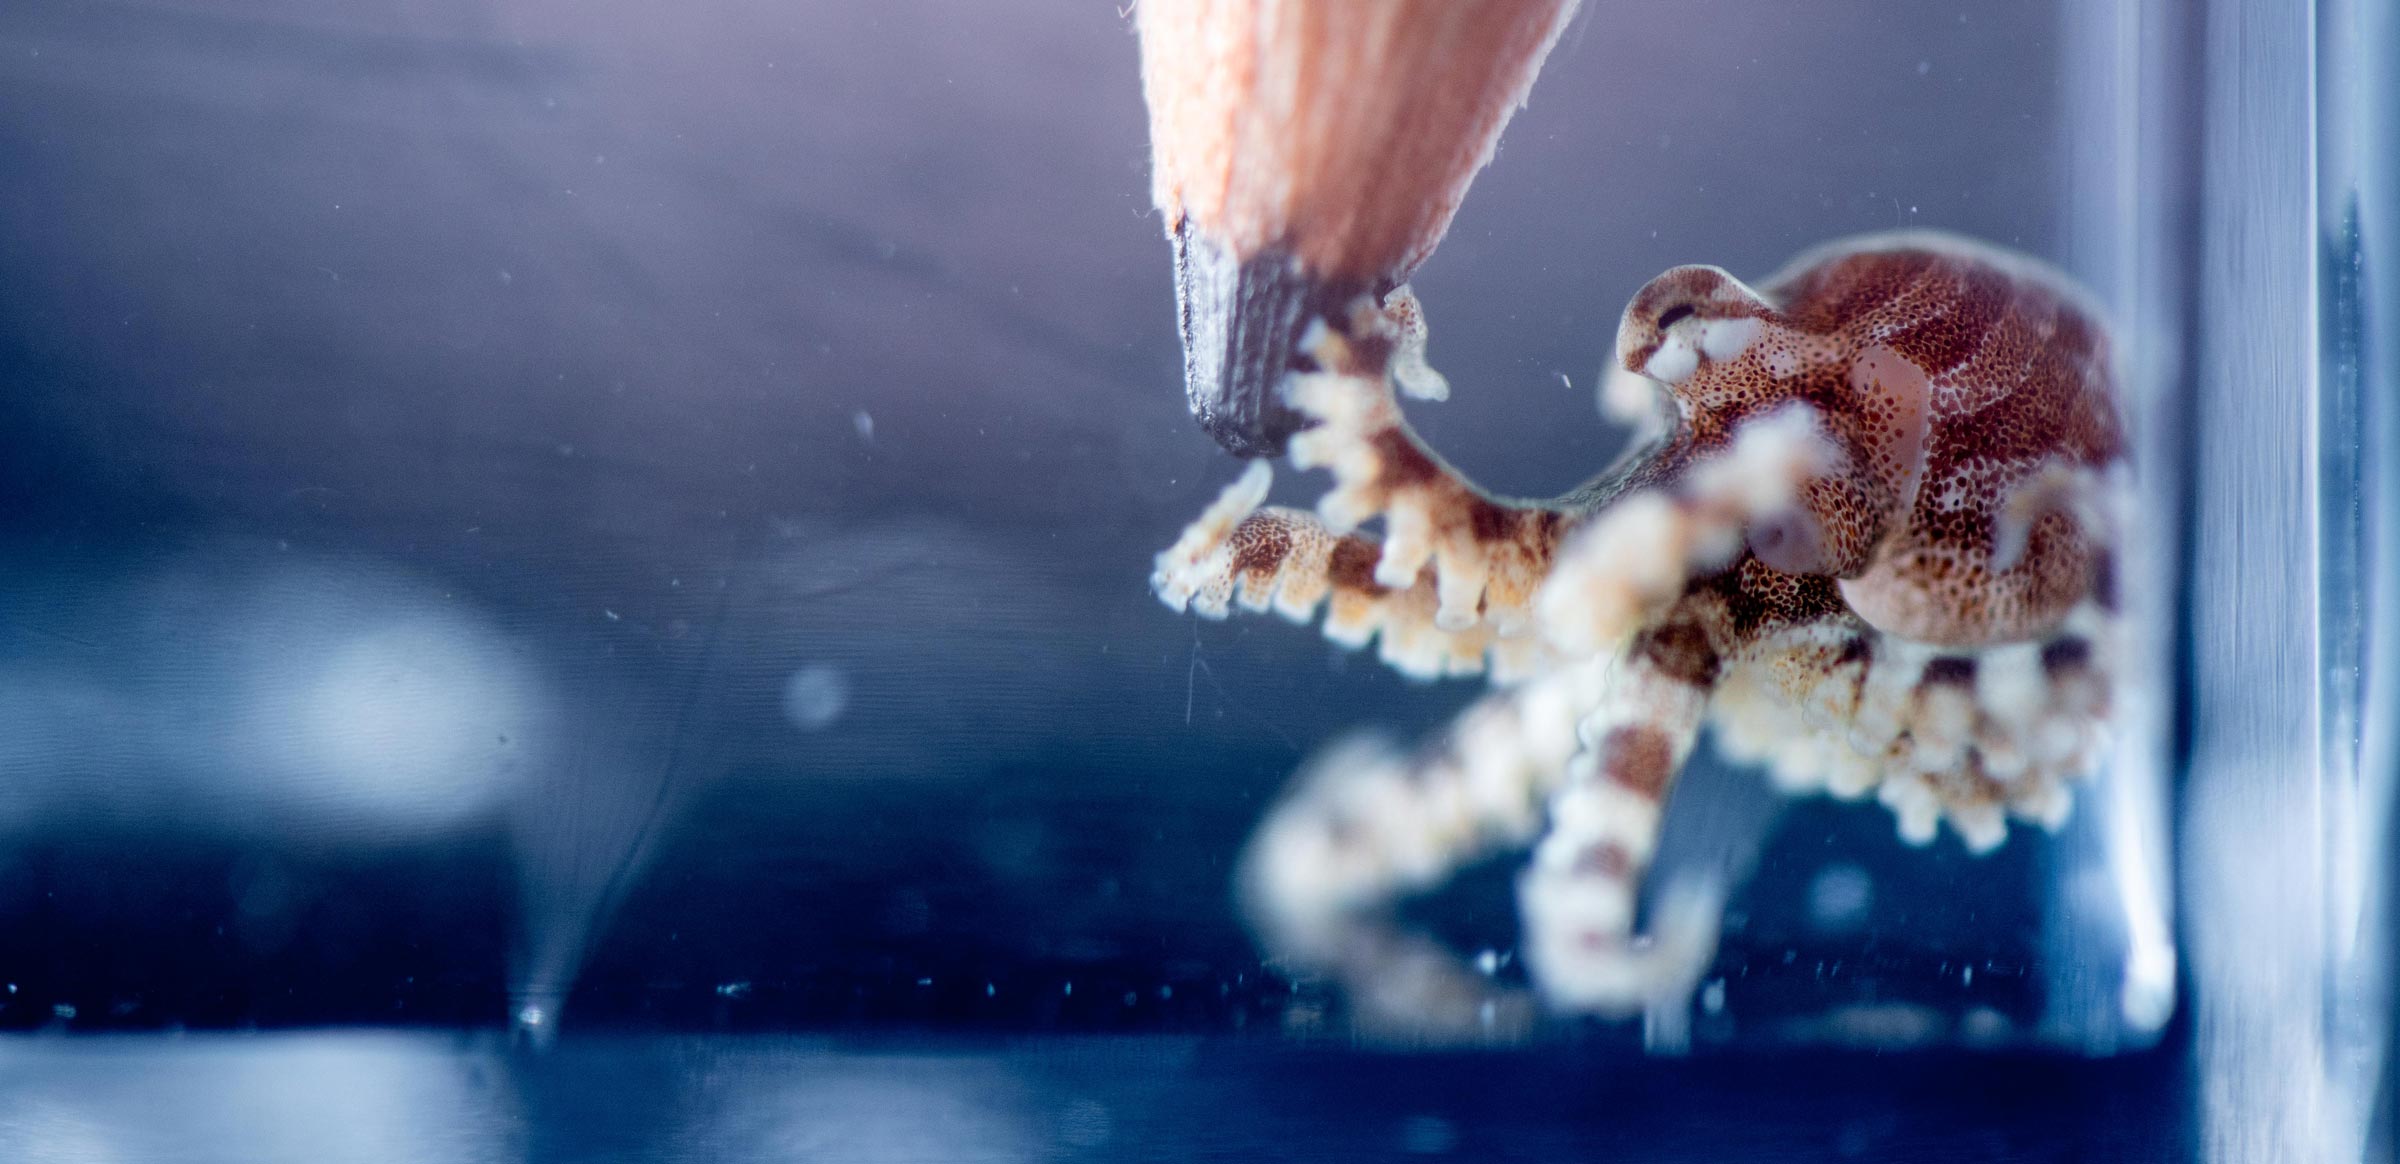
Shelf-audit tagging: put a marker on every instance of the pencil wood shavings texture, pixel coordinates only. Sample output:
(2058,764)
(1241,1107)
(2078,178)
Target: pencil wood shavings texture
(1870,543)
(1295,175)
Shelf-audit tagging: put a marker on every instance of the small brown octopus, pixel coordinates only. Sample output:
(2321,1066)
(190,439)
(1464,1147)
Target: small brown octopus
(1866,532)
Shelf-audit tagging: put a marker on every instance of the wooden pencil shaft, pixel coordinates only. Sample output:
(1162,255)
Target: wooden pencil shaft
(1306,152)
(1341,132)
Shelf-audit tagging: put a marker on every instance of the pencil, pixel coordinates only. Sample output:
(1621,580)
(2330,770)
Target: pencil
(1306,152)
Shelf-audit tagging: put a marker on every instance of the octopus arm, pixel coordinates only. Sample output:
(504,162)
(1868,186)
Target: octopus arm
(1447,586)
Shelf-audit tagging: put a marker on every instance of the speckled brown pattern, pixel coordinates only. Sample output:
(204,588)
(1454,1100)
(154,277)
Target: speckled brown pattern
(1950,375)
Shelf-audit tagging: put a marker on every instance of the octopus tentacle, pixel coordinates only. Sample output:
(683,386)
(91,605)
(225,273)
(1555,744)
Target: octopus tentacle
(1487,554)
(1447,589)
(1416,378)
(1578,895)
(1936,735)
(1239,553)
(1365,826)
(1636,557)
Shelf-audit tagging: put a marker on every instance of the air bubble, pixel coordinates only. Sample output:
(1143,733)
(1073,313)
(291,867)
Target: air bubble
(1840,897)
(815,696)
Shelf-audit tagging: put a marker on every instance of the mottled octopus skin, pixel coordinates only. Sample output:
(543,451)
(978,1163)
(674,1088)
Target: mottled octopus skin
(1951,377)
(1866,535)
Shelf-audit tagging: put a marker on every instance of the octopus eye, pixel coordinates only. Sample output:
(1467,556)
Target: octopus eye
(1674,315)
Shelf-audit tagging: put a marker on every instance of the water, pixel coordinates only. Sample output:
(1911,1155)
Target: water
(574,588)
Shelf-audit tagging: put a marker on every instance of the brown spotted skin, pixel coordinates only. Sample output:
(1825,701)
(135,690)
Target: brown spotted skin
(1951,375)
(1640,759)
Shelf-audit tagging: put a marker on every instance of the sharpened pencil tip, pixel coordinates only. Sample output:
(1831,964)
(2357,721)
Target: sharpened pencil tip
(1240,318)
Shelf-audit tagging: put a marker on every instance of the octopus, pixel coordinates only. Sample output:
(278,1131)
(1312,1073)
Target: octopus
(1865,534)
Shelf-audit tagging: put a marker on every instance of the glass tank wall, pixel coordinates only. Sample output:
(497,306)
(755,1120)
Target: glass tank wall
(576,587)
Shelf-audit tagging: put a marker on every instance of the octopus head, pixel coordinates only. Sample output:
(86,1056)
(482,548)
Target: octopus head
(1688,320)
(1700,345)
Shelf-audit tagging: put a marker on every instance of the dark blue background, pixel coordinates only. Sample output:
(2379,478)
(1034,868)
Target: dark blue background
(650,353)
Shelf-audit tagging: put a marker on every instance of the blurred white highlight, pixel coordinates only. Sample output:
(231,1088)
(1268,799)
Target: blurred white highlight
(316,1098)
(415,720)
(241,691)
(1840,897)
(815,696)
(879,1107)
